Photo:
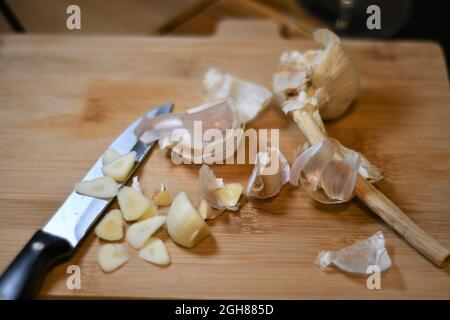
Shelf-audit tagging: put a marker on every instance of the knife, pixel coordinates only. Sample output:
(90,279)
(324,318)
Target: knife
(60,237)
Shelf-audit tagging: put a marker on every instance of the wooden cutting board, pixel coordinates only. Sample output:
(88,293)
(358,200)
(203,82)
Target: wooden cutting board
(63,99)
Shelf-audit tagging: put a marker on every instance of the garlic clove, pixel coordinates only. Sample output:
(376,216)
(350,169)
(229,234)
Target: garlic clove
(270,173)
(133,204)
(229,195)
(184,223)
(120,168)
(139,232)
(248,98)
(151,212)
(155,251)
(163,198)
(103,187)
(110,228)
(109,156)
(112,256)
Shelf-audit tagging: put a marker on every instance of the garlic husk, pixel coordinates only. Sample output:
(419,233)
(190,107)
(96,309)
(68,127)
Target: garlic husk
(216,193)
(266,181)
(357,257)
(176,131)
(328,76)
(326,172)
(249,98)
(184,223)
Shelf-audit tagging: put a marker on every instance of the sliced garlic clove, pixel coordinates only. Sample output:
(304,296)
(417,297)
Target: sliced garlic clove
(184,223)
(270,173)
(112,256)
(110,228)
(163,198)
(155,251)
(151,212)
(133,204)
(139,232)
(248,98)
(358,257)
(203,209)
(109,156)
(103,187)
(229,195)
(120,169)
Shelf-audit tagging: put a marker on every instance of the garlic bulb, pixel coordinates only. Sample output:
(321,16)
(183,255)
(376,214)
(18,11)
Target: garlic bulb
(328,173)
(176,132)
(184,223)
(218,195)
(327,78)
(270,173)
(249,98)
(358,257)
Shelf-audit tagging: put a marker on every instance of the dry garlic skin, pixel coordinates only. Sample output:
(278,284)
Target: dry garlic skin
(184,223)
(133,204)
(110,228)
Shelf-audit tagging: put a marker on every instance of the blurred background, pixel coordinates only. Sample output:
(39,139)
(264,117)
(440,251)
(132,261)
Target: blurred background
(401,19)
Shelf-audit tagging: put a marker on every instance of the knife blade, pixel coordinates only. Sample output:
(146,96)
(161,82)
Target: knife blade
(70,224)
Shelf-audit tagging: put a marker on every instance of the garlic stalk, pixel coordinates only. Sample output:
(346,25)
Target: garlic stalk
(176,132)
(270,173)
(184,223)
(218,195)
(248,98)
(358,257)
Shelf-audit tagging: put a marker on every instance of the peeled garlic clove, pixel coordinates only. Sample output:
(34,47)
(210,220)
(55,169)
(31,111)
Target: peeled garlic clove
(155,251)
(109,156)
(112,256)
(133,204)
(229,195)
(139,232)
(248,98)
(270,173)
(358,257)
(163,198)
(110,228)
(184,224)
(120,168)
(103,187)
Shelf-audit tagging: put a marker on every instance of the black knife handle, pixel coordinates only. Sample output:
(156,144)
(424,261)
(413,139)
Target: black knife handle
(24,276)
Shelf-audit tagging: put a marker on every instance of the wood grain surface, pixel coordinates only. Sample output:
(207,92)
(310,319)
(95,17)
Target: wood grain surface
(63,99)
